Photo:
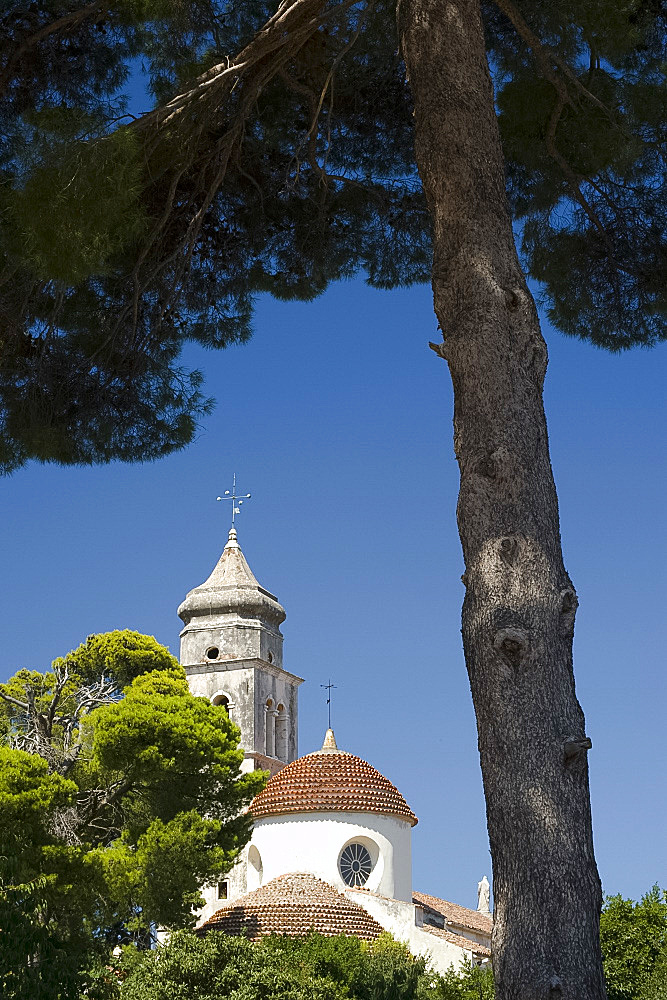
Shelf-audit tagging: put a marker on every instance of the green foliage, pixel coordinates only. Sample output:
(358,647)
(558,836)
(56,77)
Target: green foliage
(468,982)
(585,171)
(634,946)
(654,986)
(121,656)
(39,957)
(128,802)
(278,967)
(216,966)
(76,202)
(28,795)
(384,970)
(278,224)
(93,190)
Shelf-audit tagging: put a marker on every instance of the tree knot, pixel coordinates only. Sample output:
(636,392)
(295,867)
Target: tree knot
(574,747)
(512,644)
(568,608)
(569,602)
(508,550)
(486,466)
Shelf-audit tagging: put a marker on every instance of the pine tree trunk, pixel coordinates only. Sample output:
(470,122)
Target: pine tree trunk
(519,606)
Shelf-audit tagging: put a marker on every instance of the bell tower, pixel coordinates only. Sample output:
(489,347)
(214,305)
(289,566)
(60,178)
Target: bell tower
(232,651)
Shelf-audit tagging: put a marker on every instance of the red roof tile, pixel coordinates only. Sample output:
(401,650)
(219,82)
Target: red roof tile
(293,904)
(327,781)
(459,915)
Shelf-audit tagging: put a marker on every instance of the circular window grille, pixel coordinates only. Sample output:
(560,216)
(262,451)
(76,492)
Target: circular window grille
(355,864)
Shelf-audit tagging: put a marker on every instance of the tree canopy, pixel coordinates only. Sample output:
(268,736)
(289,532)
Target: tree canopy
(634,946)
(120,797)
(280,157)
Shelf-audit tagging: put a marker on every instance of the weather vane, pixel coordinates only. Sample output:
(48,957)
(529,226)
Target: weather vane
(329,687)
(235,499)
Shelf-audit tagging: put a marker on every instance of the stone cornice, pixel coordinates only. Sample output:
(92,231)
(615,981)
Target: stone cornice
(220,666)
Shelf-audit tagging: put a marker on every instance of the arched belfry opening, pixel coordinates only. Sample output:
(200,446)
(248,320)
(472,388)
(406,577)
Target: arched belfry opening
(282,733)
(270,729)
(220,698)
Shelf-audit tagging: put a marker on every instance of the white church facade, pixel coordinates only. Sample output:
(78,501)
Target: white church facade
(331,843)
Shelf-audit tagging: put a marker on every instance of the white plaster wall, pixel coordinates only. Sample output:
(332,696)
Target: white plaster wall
(312,842)
(237,886)
(478,936)
(404,921)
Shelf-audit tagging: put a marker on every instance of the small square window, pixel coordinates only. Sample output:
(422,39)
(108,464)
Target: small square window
(223,889)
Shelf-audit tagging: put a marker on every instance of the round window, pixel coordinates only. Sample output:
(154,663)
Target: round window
(355,865)
(212,652)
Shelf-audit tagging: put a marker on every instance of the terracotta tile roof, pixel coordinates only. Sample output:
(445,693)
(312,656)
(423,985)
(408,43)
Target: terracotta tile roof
(293,904)
(459,915)
(330,780)
(459,940)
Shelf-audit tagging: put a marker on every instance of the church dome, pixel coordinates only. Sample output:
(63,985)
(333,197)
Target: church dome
(293,904)
(330,780)
(232,589)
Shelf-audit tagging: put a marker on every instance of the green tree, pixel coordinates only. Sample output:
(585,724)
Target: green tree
(383,970)
(39,957)
(120,797)
(468,982)
(655,984)
(287,150)
(634,946)
(284,968)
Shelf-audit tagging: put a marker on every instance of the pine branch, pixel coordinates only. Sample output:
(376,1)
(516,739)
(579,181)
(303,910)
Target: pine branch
(14,701)
(543,53)
(64,23)
(540,51)
(61,681)
(192,113)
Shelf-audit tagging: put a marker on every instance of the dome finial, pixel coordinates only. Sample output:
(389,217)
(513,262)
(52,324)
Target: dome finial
(329,687)
(329,741)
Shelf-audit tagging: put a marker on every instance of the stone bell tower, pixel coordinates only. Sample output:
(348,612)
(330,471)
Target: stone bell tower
(232,651)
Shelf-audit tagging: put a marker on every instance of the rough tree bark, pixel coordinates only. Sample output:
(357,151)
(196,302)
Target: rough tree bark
(519,606)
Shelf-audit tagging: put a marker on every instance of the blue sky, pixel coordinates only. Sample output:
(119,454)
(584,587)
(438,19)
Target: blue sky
(337,418)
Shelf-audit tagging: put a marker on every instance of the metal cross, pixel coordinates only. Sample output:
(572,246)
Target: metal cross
(235,499)
(329,688)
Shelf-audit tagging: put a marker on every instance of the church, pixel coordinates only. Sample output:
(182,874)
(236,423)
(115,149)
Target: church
(331,844)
